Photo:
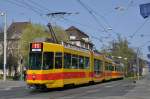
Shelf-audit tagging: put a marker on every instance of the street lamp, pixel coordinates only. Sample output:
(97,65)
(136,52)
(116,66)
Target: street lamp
(119,57)
(5,43)
(125,58)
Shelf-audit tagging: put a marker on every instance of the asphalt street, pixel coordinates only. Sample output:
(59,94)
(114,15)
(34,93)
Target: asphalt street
(121,89)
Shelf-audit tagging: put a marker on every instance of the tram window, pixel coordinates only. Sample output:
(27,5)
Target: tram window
(115,68)
(35,61)
(81,62)
(107,66)
(97,66)
(120,69)
(111,67)
(67,60)
(58,60)
(48,60)
(87,63)
(74,61)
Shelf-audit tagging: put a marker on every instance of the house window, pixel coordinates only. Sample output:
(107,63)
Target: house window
(72,37)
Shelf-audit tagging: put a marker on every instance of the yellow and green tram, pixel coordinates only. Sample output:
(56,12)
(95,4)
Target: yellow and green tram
(55,65)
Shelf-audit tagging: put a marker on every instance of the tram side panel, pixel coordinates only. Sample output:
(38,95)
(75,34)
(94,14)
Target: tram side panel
(53,65)
(45,65)
(98,74)
(108,69)
(78,69)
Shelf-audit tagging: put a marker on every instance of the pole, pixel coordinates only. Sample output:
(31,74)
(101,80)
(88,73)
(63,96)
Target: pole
(21,61)
(5,45)
(137,62)
(52,33)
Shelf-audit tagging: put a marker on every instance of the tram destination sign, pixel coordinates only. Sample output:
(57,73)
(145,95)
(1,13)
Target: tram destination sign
(36,47)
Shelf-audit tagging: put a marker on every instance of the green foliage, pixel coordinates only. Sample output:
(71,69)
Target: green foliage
(120,47)
(60,34)
(38,31)
(28,35)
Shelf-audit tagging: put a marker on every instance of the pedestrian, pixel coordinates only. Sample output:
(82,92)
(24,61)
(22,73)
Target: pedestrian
(24,73)
(16,76)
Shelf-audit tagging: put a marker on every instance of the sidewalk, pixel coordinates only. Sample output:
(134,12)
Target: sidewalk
(11,83)
(141,91)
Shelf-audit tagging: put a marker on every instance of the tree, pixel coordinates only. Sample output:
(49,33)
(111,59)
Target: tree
(61,35)
(11,63)
(120,48)
(31,32)
(34,31)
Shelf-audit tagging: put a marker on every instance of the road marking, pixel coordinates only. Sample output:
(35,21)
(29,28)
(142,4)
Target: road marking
(148,89)
(5,89)
(91,91)
(35,98)
(108,86)
(112,83)
(8,88)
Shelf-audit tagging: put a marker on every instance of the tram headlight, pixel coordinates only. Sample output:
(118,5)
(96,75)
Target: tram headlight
(33,77)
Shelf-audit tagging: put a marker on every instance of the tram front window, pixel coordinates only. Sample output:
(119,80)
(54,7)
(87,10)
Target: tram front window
(48,60)
(35,61)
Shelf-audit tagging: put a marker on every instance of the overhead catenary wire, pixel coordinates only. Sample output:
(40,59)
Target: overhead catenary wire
(139,28)
(22,5)
(91,13)
(35,9)
(16,3)
(38,5)
(84,25)
(95,14)
(81,24)
(26,6)
(101,16)
(101,39)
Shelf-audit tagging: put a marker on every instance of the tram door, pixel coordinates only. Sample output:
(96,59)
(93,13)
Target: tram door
(97,68)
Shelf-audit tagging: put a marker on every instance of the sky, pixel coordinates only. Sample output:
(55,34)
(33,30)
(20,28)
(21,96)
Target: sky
(108,19)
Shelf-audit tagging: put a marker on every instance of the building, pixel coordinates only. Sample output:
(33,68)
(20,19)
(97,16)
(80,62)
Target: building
(14,33)
(78,38)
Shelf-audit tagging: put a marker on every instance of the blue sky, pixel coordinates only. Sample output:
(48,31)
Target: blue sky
(122,15)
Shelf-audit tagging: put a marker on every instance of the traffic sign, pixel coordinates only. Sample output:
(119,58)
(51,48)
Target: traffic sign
(145,10)
(148,56)
(149,48)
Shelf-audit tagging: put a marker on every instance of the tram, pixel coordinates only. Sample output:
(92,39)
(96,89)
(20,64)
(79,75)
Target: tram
(56,65)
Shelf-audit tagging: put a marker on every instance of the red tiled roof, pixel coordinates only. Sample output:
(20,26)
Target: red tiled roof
(17,28)
(74,28)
